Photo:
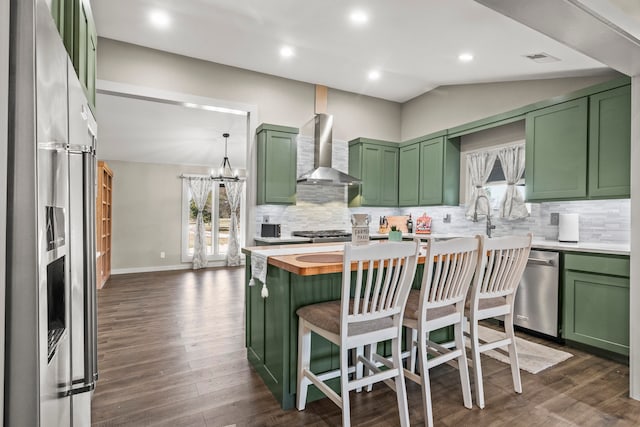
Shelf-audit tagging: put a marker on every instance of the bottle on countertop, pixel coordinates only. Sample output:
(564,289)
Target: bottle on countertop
(409,225)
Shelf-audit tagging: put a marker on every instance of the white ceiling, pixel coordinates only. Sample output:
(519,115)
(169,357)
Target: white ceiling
(414,43)
(146,131)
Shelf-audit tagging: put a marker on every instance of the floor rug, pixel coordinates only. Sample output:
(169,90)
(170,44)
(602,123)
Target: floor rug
(533,357)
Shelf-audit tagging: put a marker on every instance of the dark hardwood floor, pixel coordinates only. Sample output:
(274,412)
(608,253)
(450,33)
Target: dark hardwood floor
(171,353)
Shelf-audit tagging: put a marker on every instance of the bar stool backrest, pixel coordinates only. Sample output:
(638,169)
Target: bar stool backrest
(389,268)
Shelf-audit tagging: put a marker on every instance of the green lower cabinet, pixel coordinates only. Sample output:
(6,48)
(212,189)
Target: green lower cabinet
(596,301)
(610,143)
(556,152)
(277,165)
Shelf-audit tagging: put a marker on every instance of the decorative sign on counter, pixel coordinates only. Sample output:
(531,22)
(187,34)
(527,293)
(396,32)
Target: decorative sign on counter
(360,228)
(423,224)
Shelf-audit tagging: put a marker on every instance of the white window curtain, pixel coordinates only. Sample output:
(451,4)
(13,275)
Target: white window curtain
(234,196)
(512,206)
(200,188)
(480,166)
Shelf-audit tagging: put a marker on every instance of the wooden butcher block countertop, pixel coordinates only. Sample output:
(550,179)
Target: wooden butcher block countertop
(309,264)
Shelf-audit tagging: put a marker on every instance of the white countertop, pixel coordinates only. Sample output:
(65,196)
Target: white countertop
(592,247)
(284,239)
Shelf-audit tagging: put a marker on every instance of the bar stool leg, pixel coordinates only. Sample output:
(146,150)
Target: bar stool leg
(462,365)
(304,361)
(344,386)
(477,368)
(513,355)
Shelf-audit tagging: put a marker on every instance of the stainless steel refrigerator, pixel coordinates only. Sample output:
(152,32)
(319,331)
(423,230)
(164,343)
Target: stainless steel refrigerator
(51,357)
(4,105)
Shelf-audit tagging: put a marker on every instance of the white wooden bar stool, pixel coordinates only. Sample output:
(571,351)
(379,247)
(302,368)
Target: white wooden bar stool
(502,263)
(384,273)
(448,271)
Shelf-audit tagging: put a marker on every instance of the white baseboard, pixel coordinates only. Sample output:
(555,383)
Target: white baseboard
(150,269)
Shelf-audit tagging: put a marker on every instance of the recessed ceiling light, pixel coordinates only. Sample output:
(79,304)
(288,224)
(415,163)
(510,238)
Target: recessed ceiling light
(286,51)
(160,19)
(358,17)
(374,75)
(465,57)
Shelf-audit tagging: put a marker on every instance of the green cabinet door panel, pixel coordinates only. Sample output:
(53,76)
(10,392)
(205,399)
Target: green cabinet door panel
(63,15)
(610,143)
(255,318)
(596,301)
(556,152)
(389,187)
(81,35)
(451,172)
(375,163)
(596,310)
(277,170)
(409,175)
(372,175)
(92,56)
(76,26)
(439,182)
(276,319)
(431,177)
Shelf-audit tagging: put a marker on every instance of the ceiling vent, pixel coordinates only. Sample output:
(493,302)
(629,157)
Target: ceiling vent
(542,57)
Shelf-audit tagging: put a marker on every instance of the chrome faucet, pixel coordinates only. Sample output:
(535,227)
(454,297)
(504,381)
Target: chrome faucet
(475,214)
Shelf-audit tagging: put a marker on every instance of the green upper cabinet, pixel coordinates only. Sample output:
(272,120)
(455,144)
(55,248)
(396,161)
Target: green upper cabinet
(84,48)
(439,182)
(63,13)
(277,168)
(596,301)
(77,29)
(610,143)
(556,152)
(375,163)
(409,175)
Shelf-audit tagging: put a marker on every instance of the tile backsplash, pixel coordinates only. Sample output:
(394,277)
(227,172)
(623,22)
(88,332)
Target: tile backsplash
(324,208)
(606,221)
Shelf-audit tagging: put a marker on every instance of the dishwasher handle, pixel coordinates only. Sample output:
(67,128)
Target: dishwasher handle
(538,261)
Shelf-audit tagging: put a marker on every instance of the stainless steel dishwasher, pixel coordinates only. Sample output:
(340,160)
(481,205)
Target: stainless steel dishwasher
(536,304)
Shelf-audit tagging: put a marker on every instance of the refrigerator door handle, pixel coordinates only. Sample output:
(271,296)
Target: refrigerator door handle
(89,280)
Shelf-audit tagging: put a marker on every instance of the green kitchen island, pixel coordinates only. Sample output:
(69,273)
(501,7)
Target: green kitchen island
(271,327)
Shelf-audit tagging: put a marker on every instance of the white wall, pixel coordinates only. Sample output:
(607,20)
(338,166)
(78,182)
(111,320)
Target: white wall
(280,101)
(449,106)
(4,105)
(147,215)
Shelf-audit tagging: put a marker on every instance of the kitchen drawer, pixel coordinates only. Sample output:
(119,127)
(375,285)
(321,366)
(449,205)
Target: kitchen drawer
(613,265)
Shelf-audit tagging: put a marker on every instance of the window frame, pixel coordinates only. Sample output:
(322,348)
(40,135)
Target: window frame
(497,147)
(215,222)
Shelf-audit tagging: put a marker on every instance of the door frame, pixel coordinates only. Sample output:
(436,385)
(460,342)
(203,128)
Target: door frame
(4,130)
(248,224)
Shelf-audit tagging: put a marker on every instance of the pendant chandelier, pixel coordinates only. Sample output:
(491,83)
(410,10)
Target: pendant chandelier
(225,172)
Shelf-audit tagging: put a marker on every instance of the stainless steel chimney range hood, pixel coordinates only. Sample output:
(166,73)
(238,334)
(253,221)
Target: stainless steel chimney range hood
(322,172)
